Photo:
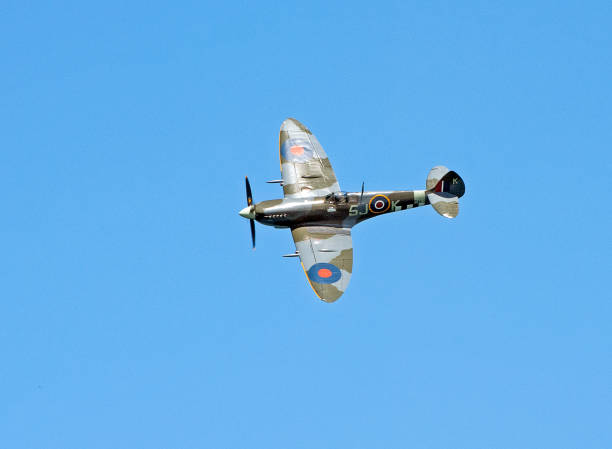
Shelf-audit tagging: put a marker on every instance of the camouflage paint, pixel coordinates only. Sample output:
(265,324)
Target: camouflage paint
(320,216)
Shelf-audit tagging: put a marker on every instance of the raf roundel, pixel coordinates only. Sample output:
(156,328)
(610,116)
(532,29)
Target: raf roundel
(297,150)
(379,204)
(324,273)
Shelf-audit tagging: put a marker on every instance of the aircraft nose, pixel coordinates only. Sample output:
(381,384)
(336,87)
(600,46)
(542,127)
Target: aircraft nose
(248,212)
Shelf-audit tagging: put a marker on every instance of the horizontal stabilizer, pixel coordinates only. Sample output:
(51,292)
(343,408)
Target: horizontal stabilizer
(446,204)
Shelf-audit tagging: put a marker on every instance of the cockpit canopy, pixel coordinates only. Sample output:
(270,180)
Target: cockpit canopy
(337,197)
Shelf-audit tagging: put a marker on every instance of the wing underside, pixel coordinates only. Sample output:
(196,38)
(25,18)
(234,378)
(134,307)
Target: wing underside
(305,168)
(327,259)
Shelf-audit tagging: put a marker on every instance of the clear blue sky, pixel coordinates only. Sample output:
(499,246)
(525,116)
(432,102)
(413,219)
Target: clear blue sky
(133,313)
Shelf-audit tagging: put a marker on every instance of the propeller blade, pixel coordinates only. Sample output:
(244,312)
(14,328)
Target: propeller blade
(249,195)
(362,186)
(253,232)
(248,191)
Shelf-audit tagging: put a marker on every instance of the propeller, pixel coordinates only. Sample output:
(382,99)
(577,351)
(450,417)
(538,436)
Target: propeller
(362,186)
(249,196)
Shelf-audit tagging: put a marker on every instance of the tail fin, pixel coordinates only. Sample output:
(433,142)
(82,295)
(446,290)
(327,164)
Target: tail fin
(444,188)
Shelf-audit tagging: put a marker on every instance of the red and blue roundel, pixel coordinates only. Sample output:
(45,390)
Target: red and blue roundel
(297,150)
(324,273)
(379,204)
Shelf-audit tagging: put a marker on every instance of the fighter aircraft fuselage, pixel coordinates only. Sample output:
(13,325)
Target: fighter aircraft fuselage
(340,209)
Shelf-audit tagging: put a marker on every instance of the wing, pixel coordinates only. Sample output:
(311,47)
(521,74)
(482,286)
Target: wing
(305,169)
(327,258)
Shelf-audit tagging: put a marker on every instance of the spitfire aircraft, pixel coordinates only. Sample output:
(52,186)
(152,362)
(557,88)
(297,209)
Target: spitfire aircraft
(321,216)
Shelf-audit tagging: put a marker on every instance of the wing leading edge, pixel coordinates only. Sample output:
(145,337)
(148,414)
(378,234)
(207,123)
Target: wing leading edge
(327,259)
(305,168)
